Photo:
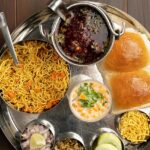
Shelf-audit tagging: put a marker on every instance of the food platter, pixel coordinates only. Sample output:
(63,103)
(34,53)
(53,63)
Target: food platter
(12,121)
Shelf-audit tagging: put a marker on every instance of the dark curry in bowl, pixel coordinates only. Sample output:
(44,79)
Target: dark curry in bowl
(84,38)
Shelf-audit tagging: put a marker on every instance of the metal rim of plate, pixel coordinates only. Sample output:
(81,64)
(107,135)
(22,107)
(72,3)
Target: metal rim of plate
(12,122)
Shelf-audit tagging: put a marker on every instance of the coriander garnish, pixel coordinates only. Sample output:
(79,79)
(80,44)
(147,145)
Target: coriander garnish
(91,96)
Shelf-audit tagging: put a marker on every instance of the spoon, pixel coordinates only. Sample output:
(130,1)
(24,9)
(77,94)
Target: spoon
(5,31)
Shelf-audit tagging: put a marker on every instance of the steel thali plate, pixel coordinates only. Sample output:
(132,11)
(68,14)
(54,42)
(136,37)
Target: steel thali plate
(12,121)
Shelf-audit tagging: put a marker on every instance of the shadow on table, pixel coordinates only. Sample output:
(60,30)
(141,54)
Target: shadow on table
(4,143)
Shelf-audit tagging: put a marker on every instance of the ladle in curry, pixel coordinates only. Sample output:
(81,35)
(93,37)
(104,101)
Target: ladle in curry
(60,9)
(5,31)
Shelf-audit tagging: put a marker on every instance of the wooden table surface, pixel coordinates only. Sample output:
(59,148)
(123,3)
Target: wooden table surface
(18,10)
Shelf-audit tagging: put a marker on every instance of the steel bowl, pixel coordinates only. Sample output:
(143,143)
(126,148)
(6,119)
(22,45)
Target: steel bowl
(70,135)
(127,142)
(93,143)
(103,14)
(43,122)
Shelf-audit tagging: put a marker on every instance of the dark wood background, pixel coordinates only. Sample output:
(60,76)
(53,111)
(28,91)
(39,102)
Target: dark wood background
(18,10)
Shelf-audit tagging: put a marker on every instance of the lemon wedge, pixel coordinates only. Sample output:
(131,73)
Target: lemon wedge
(37,141)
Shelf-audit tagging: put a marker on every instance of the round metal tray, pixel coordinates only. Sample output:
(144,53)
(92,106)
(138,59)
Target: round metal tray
(12,122)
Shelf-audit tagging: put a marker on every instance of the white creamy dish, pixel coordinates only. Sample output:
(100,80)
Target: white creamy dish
(90,101)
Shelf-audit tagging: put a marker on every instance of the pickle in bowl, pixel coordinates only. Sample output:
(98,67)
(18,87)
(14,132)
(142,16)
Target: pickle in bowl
(69,141)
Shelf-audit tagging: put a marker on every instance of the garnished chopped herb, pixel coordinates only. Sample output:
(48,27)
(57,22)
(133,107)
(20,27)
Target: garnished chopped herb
(91,95)
(105,102)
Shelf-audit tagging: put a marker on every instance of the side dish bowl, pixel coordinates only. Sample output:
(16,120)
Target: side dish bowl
(38,134)
(109,137)
(69,137)
(90,101)
(133,126)
(79,57)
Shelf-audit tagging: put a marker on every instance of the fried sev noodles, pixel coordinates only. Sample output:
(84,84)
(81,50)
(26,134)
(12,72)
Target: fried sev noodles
(134,126)
(39,81)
